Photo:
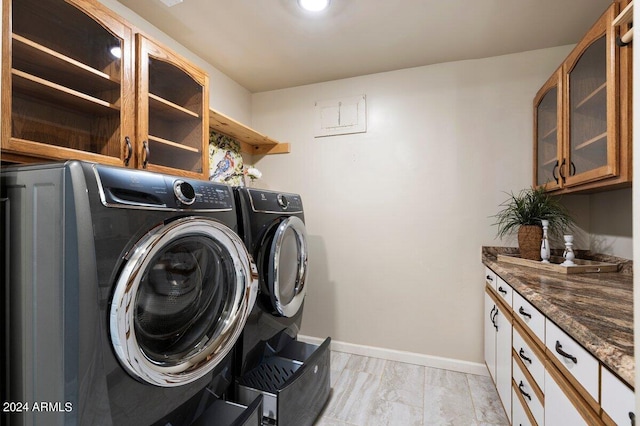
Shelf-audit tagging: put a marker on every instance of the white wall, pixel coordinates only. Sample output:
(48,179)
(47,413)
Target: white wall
(606,218)
(397,216)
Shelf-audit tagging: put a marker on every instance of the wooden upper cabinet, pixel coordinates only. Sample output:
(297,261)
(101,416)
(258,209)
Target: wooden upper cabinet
(591,128)
(592,103)
(547,119)
(172,111)
(68,82)
(81,86)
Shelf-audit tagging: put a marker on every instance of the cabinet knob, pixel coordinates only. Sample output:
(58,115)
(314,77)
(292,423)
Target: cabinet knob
(489,278)
(502,290)
(564,354)
(632,416)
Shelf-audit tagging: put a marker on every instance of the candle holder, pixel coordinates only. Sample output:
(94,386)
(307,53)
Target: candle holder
(545,250)
(568,251)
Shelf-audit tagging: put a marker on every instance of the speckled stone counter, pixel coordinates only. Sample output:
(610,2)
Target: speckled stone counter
(596,309)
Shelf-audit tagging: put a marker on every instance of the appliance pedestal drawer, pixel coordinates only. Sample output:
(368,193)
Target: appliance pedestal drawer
(294,383)
(225,413)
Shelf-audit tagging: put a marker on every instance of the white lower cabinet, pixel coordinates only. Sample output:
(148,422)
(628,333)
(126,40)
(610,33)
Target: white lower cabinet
(577,361)
(519,415)
(497,348)
(559,410)
(543,376)
(490,334)
(617,399)
(529,395)
(503,359)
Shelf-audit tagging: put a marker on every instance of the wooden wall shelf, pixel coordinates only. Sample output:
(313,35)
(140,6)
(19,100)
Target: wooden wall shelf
(251,142)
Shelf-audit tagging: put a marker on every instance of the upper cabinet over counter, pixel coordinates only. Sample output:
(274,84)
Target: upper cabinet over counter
(251,142)
(582,115)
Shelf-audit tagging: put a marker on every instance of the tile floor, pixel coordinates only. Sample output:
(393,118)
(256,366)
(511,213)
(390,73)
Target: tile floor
(376,392)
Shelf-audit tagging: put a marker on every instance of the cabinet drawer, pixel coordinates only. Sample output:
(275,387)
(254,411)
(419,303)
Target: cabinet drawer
(531,317)
(504,290)
(522,385)
(529,358)
(490,277)
(580,363)
(519,415)
(617,399)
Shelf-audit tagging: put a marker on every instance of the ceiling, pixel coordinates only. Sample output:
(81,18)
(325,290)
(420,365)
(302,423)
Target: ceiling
(272,44)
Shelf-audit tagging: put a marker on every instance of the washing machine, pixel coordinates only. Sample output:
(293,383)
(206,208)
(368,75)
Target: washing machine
(292,376)
(127,293)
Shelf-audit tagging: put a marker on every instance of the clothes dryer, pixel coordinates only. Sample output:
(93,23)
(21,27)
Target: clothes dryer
(292,376)
(128,291)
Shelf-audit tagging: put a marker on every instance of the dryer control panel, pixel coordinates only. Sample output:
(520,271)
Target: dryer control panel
(141,189)
(275,202)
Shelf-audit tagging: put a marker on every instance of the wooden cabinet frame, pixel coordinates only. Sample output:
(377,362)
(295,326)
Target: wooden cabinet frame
(617,170)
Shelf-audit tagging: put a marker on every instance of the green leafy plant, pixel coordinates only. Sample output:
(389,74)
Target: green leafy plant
(529,207)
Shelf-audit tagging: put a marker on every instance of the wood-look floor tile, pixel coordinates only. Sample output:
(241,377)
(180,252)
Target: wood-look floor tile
(487,405)
(402,383)
(339,360)
(387,413)
(352,396)
(447,399)
(366,364)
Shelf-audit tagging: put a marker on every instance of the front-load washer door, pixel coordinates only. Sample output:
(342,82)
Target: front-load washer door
(287,266)
(181,301)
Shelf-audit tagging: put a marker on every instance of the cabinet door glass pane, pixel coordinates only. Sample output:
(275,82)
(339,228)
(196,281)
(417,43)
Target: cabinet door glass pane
(547,135)
(175,117)
(66,78)
(588,110)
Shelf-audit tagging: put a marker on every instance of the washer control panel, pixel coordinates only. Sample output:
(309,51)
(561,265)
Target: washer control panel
(141,189)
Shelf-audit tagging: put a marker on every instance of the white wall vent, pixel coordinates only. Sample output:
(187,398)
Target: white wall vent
(341,116)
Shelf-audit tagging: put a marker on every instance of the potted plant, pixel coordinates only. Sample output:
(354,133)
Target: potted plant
(523,213)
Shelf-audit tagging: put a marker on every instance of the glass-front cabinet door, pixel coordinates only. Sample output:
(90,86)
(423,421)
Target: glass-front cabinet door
(69,81)
(591,148)
(173,112)
(547,110)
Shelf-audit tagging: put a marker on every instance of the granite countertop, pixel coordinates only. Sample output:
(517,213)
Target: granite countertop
(596,309)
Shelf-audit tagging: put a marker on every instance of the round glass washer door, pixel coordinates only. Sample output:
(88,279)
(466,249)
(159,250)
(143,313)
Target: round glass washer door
(181,301)
(287,266)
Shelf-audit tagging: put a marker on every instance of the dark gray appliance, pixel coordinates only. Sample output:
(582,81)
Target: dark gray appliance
(292,376)
(128,291)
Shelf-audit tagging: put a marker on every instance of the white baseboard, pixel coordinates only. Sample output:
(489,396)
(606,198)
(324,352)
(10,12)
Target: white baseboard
(402,356)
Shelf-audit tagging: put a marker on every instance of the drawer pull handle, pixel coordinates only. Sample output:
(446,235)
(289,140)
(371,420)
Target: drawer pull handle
(553,173)
(489,278)
(523,392)
(127,141)
(523,313)
(502,290)
(147,154)
(632,416)
(564,354)
(493,320)
(523,356)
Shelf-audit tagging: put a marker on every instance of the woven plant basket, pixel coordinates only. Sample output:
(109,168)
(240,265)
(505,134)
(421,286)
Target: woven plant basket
(529,241)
